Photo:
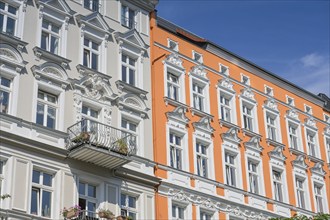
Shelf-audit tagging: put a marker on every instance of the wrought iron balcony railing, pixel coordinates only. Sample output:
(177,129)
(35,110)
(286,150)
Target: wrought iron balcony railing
(102,136)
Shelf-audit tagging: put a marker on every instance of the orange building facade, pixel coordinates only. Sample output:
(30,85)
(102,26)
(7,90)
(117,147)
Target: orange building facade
(231,140)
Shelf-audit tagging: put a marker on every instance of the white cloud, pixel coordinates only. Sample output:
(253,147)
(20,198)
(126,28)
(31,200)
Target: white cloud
(312,59)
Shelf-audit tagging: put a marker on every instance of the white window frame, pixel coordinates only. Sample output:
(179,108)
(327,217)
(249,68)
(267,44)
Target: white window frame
(43,188)
(2,176)
(278,182)
(224,108)
(298,136)
(230,165)
(289,100)
(316,144)
(88,198)
(301,202)
(210,213)
(139,140)
(245,80)
(308,109)
(184,142)
(256,176)
(126,207)
(138,65)
(19,17)
(170,44)
(327,147)
(91,51)
(203,95)
(127,18)
(323,195)
(276,127)
(126,64)
(90,6)
(176,147)
(208,156)
(224,69)
(282,171)
(46,106)
(50,35)
(253,116)
(181,81)
(198,57)
(9,91)
(186,206)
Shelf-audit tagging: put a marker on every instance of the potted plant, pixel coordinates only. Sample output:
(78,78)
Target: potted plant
(105,213)
(71,212)
(122,146)
(82,137)
(122,217)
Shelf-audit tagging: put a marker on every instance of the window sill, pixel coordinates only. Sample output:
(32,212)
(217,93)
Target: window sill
(200,113)
(41,53)
(11,39)
(123,86)
(275,143)
(296,152)
(227,124)
(249,133)
(174,102)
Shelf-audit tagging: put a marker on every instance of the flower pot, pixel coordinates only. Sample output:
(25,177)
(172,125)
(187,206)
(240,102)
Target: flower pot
(71,213)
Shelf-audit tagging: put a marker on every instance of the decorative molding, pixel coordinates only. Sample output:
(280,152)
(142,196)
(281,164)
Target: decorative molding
(204,124)
(226,84)
(77,104)
(199,72)
(231,135)
(248,93)
(293,114)
(318,169)
(134,104)
(299,162)
(186,197)
(271,104)
(310,122)
(174,59)
(327,130)
(277,153)
(254,144)
(178,114)
(107,115)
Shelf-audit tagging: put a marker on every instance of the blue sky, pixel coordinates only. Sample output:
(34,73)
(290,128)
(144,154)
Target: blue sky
(290,38)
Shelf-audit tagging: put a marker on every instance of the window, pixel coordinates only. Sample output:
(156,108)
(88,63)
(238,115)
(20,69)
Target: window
(91,54)
(46,109)
(300,193)
(327,145)
(5,92)
(177,212)
(277,185)
(2,163)
(247,117)
(41,193)
(128,17)
(201,154)
(50,36)
(176,151)
(91,115)
(311,143)
(271,127)
(87,198)
(197,57)
(92,4)
(204,215)
(253,177)
(173,86)
(173,45)
(293,136)
(224,69)
(198,96)
(326,118)
(128,206)
(318,198)
(128,70)
(290,100)
(308,109)
(269,91)
(245,80)
(8,18)
(225,107)
(230,169)
(131,127)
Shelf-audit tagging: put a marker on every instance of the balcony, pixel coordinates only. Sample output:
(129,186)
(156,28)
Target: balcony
(100,144)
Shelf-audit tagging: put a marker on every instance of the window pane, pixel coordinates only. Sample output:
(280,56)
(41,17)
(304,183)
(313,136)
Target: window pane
(10,26)
(36,176)
(86,58)
(131,62)
(44,40)
(54,45)
(94,61)
(11,10)
(47,179)
(131,77)
(45,24)
(4,101)
(91,206)
(2,5)
(132,202)
(173,211)
(51,117)
(55,29)
(86,42)
(123,199)
(123,73)
(34,201)
(40,114)
(51,98)
(91,191)
(46,203)
(132,127)
(5,82)
(95,46)
(1,22)
(82,189)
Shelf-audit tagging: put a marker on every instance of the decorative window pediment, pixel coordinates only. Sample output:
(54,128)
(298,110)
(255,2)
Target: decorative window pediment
(132,38)
(51,73)
(96,22)
(318,169)
(96,87)
(10,58)
(199,72)
(178,114)
(254,144)
(248,93)
(59,6)
(277,153)
(310,122)
(133,103)
(271,105)
(174,59)
(226,85)
(231,135)
(292,113)
(19,44)
(204,124)
(123,86)
(300,162)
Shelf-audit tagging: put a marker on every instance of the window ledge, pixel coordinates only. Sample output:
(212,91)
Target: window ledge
(227,124)
(174,102)
(84,70)
(296,152)
(200,113)
(274,143)
(123,86)
(41,53)
(250,133)
(20,45)
(315,159)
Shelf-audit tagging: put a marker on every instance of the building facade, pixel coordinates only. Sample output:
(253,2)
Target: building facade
(107,106)
(75,105)
(231,140)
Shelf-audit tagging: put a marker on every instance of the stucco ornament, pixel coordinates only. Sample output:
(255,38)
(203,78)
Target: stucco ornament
(174,59)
